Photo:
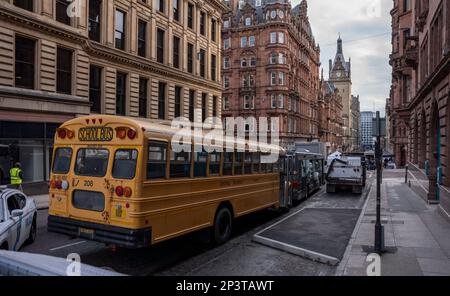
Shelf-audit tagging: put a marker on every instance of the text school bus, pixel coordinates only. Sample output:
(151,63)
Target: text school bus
(118,181)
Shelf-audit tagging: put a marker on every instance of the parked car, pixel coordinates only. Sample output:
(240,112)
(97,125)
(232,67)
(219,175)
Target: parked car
(391,165)
(17,219)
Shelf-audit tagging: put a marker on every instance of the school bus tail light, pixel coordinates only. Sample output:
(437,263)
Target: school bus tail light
(52,184)
(127,191)
(58,184)
(119,191)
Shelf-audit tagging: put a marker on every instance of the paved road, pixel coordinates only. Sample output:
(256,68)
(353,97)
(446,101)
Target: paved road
(192,255)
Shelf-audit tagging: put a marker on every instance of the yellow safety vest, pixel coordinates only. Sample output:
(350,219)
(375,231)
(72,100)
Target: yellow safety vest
(15,176)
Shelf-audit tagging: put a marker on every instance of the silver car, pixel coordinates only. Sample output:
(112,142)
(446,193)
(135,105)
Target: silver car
(18,215)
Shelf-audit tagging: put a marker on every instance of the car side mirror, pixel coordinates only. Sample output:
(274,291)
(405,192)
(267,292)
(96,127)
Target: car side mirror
(17,213)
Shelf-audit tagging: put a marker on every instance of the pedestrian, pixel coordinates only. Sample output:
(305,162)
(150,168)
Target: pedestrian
(16,176)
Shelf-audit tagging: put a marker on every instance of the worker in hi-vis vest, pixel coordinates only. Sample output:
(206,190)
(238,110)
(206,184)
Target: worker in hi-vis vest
(16,176)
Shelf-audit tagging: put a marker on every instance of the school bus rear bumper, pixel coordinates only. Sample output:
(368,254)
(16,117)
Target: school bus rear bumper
(112,235)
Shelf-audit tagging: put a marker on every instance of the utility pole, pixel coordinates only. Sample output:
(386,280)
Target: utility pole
(379,228)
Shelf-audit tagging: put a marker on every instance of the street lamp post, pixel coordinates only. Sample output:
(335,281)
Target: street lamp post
(379,228)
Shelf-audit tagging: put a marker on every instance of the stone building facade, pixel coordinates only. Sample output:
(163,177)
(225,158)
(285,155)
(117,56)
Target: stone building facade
(341,76)
(271,67)
(419,111)
(139,58)
(330,116)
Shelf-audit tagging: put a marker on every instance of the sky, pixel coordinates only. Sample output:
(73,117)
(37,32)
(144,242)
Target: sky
(365,28)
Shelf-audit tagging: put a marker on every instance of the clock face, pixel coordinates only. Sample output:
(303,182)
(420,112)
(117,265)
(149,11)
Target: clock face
(273,14)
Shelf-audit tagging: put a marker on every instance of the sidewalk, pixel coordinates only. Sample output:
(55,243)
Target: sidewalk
(420,235)
(41,201)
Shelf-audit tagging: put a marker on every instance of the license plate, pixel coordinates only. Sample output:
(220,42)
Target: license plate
(87,233)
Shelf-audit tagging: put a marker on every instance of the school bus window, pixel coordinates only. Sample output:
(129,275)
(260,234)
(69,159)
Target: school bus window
(238,163)
(256,162)
(61,164)
(157,160)
(92,162)
(228,164)
(214,164)
(200,163)
(125,164)
(248,163)
(180,164)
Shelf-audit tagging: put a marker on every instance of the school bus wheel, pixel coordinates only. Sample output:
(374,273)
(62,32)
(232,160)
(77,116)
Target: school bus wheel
(223,222)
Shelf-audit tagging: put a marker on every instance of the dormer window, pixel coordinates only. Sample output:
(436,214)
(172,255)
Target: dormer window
(248,21)
(273,14)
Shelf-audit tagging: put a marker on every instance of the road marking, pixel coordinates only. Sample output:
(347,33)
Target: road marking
(68,245)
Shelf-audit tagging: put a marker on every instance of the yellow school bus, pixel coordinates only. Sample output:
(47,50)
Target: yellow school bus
(119,181)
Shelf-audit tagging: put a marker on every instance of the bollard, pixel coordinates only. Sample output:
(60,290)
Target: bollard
(406,174)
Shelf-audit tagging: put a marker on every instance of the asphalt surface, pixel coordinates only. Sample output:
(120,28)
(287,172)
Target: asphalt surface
(193,255)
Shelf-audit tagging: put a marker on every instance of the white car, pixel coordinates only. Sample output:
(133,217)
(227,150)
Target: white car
(18,215)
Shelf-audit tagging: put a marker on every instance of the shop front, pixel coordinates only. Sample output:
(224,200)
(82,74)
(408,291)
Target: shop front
(30,144)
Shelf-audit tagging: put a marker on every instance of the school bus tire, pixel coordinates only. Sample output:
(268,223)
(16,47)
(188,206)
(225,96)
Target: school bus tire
(223,223)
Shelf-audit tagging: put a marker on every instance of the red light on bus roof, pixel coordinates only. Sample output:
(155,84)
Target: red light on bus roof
(70,134)
(121,132)
(100,120)
(132,134)
(94,120)
(87,121)
(62,133)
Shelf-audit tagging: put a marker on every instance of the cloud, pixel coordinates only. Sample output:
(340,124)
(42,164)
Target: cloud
(365,27)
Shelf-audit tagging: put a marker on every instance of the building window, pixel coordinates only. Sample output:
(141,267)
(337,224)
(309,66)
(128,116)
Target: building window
(406,5)
(203,23)
(226,81)
(243,42)
(160,46)
(204,105)
(178,92)
(121,88)
(176,52)
(202,57)
(243,62)
(94,20)
(281,78)
(273,37)
(213,30)
(25,59)
(281,37)
(120,30)
(273,58)
(190,16)
(226,63)
(253,62)
(273,78)
(64,71)
(273,101)
(160,5)
(191,105)
(176,10)
(61,11)
(143,90)
(248,102)
(251,41)
(161,100)
(95,89)
(24,4)
(248,21)
(190,58)
(226,103)
(142,38)
(226,24)
(281,58)
(226,43)
(213,67)
(214,106)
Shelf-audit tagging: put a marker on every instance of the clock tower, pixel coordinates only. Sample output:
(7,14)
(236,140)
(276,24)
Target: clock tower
(341,76)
